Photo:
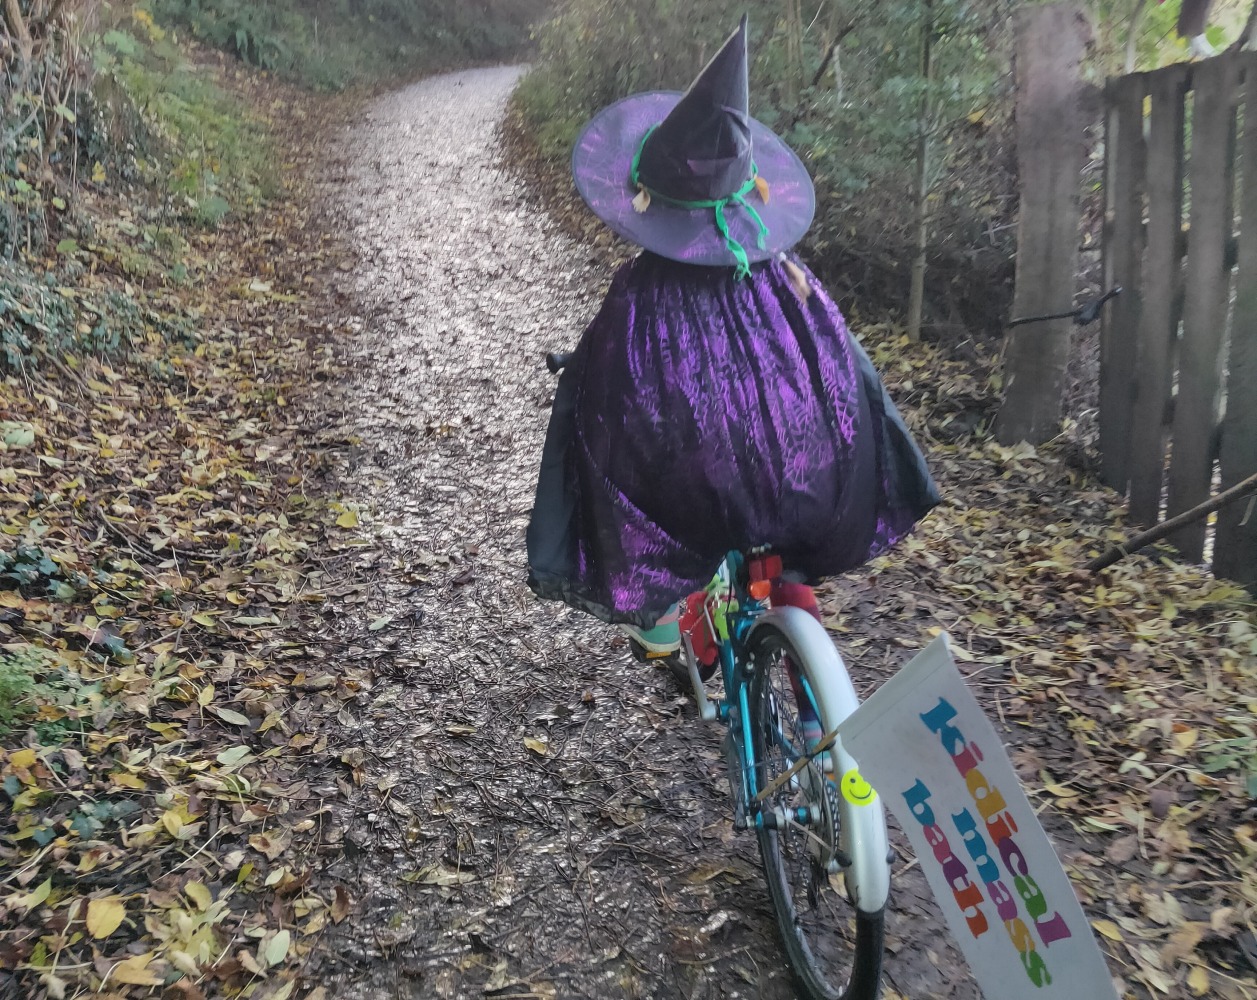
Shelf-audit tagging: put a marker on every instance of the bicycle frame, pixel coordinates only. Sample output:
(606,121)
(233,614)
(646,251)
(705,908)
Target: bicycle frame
(863,849)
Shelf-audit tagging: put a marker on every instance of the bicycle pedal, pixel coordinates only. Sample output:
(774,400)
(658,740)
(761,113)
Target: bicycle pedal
(643,655)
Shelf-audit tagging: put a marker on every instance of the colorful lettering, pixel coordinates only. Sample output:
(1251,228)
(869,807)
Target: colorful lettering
(998,825)
(938,719)
(967,895)
(1036,968)
(1005,904)
(1053,930)
(988,870)
(1028,890)
(970,902)
(918,797)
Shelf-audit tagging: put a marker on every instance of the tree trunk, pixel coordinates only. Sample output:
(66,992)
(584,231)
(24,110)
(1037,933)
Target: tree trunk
(21,34)
(794,49)
(916,291)
(1051,41)
(1132,36)
(1193,18)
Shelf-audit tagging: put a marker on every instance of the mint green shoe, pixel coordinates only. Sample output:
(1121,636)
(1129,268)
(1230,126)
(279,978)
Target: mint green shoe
(662,639)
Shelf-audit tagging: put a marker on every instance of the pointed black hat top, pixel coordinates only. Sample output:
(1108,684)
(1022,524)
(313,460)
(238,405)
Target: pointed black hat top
(702,150)
(689,176)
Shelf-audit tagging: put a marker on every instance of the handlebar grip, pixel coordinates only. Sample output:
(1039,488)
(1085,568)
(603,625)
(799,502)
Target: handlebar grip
(556,360)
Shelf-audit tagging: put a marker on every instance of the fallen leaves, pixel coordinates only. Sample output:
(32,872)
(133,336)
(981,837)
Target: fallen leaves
(441,875)
(340,904)
(104,916)
(276,948)
(538,745)
(160,692)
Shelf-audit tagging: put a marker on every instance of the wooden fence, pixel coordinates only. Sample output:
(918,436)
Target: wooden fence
(1178,372)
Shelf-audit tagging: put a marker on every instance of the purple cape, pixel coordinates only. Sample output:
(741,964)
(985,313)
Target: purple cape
(701,414)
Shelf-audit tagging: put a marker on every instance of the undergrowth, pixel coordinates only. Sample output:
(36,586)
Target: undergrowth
(143,152)
(331,44)
(158,118)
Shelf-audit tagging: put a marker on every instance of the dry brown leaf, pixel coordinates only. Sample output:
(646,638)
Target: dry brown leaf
(340,904)
(135,971)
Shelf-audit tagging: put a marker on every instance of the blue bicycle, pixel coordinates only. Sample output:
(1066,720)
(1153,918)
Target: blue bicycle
(821,828)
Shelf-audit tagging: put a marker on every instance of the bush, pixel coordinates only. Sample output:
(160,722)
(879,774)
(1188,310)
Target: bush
(150,107)
(133,110)
(333,43)
(17,682)
(35,319)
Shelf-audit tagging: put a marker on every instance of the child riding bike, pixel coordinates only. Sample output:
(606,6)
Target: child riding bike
(717,401)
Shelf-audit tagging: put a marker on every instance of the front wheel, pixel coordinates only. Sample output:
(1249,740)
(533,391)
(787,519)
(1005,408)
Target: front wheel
(834,947)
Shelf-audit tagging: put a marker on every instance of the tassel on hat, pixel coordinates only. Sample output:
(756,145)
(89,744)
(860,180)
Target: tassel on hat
(642,201)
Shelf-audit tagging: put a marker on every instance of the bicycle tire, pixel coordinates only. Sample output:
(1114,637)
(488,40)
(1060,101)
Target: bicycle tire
(831,959)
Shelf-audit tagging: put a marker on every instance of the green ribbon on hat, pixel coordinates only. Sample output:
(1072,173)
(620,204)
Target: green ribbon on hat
(722,224)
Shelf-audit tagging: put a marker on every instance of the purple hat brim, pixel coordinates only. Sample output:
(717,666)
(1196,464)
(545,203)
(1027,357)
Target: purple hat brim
(603,158)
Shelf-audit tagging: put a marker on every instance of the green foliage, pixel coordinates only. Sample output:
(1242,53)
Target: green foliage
(593,52)
(1137,35)
(37,690)
(330,44)
(163,121)
(17,683)
(38,316)
(28,567)
(134,110)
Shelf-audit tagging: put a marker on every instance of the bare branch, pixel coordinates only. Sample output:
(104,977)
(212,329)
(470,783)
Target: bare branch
(1237,492)
(1247,31)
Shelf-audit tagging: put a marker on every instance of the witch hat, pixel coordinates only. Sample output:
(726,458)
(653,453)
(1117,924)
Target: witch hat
(693,176)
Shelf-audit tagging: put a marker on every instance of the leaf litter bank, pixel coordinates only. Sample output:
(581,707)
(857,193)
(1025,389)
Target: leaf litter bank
(167,549)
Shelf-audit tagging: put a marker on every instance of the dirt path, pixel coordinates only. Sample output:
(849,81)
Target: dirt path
(532,814)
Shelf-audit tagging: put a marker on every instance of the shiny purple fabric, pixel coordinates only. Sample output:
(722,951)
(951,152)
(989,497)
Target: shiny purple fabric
(701,414)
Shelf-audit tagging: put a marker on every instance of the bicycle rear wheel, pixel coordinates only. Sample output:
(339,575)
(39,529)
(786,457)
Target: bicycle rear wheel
(834,948)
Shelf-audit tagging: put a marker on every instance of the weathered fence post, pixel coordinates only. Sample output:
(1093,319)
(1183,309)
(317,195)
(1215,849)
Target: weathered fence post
(1211,174)
(1143,456)
(1050,147)
(1123,262)
(1235,548)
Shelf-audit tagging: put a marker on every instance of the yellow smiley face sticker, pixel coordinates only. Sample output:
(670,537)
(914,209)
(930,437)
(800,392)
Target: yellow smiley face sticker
(856,790)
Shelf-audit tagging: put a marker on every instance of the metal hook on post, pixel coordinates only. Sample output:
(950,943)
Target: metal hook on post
(1086,313)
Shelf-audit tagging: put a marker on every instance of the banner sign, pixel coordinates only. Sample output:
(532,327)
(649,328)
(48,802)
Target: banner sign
(927,747)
